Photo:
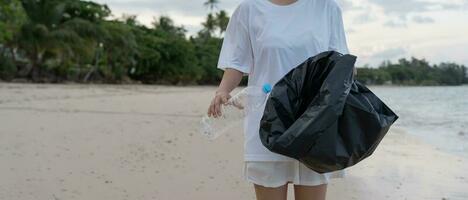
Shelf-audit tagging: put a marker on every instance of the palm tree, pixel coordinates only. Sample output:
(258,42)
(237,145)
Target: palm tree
(165,25)
(38,35)
(211,4)
(210,24)
(51,33)
(222,20)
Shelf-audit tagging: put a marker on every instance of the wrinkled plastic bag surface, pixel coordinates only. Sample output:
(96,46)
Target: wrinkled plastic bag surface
(318,114)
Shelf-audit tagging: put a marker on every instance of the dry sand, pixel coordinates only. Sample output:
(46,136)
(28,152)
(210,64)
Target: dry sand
(104,142)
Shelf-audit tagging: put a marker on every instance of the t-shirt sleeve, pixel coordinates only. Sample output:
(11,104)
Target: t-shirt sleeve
(236,51)
(337,33)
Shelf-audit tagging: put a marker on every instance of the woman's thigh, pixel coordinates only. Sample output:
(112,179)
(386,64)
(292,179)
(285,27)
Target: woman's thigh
(302,192)
(270,193)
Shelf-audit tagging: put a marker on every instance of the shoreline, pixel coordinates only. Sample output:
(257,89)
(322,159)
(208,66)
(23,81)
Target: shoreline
(26,82)
(139,142)
(405,167)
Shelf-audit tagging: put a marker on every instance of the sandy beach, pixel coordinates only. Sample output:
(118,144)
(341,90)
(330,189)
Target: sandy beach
(135,142)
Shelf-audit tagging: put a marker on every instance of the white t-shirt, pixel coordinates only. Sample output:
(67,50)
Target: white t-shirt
(265,41)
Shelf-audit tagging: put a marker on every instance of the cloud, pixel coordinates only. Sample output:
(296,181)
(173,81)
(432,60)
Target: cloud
(158,6)
(422,20)
(364,18)
(350,30)
(399,12)
(390,53)
(401,6)
(402,21)
(404,7)
(347,5)
(375,59)
(395,24)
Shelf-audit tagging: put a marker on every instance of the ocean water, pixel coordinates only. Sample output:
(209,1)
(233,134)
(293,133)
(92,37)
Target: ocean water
(437,115)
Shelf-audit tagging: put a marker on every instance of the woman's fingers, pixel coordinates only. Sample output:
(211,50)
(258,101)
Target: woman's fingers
(218,106)
(211,109)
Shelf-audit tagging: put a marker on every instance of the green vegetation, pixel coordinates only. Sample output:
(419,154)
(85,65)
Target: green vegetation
(76,40)
(414,72)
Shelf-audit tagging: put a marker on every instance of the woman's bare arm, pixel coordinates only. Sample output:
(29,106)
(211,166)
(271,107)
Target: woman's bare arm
(231,79)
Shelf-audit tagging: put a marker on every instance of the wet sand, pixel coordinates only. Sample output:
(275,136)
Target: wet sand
(95,142)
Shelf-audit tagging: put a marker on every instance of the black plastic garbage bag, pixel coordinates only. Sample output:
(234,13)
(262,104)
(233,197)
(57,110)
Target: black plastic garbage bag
(318,114)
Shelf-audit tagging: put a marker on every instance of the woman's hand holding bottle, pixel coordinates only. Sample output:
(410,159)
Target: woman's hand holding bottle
(221,98)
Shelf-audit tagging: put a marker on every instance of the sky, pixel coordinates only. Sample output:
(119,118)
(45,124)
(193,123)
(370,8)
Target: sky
(376,30)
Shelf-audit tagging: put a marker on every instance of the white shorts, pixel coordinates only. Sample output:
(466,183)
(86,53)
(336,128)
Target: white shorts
(278,173)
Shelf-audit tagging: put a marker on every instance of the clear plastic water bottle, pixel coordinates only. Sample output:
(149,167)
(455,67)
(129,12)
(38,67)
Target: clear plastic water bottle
(249,99)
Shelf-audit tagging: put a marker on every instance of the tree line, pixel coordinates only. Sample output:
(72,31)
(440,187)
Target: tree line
(75,40)
(80,41)
(414,72)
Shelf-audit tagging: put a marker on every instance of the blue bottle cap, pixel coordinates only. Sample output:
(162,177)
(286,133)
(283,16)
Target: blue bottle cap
(266,88)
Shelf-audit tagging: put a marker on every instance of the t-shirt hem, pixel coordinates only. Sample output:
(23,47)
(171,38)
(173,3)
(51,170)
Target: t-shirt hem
(267,158)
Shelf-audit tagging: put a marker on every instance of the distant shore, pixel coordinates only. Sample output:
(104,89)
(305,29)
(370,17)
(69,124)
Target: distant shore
(25,81)
(87,141)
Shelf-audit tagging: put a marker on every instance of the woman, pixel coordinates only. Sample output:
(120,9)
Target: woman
(265,39)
